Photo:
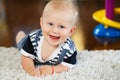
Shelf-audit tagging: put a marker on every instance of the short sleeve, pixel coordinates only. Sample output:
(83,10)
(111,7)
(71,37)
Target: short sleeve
(27,48)
(70,61)
(69,51)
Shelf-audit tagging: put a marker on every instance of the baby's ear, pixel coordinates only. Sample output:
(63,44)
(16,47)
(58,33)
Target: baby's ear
(72,30)
(41,21)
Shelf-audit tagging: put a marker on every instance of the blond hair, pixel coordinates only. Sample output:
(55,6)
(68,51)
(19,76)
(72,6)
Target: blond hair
(63,5)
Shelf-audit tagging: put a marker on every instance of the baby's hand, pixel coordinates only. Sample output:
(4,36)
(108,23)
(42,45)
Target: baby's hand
(36,72)
(45,70)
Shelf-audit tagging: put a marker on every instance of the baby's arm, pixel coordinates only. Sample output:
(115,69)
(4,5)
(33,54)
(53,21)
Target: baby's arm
(28,66)
(64,66)
(60,68)
(48,69)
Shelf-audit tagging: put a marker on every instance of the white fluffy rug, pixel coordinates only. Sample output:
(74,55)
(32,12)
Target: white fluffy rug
(92,65)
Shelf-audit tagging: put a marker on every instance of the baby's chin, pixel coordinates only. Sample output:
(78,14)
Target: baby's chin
(54,44)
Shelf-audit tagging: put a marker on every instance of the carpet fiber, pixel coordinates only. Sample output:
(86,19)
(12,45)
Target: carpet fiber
(92,65)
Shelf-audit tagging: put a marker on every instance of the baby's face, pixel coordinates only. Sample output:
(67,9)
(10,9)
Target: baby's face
(57,26)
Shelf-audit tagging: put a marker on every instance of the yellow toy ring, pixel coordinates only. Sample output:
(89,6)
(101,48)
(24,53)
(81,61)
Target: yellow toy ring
(100,16)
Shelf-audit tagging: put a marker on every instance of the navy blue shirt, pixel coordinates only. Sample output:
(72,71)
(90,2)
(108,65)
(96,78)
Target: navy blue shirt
(65,53)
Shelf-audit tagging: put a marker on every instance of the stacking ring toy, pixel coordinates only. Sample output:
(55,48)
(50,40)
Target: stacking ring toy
(108,27)
(100,16)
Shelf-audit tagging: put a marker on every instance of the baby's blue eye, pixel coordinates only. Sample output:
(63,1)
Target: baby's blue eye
(62,27)
(50,24)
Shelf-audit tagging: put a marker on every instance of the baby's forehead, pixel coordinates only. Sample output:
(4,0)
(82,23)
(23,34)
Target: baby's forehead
(60,5)
(64,6)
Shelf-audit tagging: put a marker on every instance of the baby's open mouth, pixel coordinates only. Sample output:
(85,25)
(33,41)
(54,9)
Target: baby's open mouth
(54,37)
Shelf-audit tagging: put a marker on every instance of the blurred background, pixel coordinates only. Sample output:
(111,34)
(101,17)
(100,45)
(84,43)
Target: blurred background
(16,15)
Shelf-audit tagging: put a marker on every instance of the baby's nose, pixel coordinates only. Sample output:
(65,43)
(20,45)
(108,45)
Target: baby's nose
(55,29)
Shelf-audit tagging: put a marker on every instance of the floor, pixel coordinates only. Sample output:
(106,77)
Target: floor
(24,15)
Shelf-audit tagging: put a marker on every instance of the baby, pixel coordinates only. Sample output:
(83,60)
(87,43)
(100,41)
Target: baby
(49,49)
